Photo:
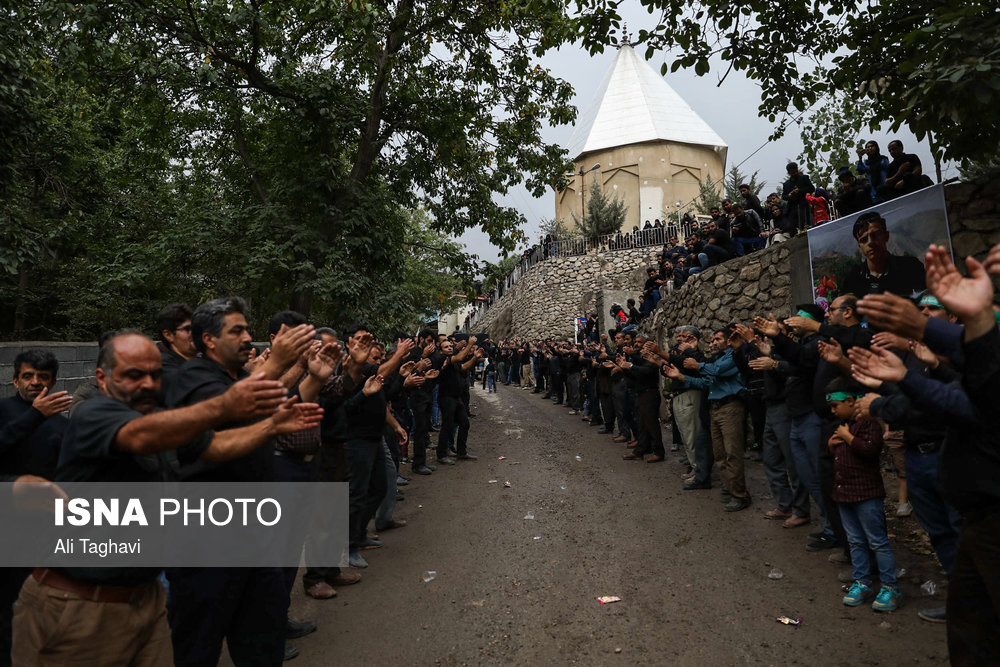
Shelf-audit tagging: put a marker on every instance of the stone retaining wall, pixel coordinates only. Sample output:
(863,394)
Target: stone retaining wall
(543,303)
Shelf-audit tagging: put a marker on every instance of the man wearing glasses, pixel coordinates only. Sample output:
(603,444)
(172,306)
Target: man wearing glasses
(881,271)
(175,345)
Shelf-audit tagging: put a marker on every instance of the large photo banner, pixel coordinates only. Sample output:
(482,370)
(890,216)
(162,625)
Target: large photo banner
(879,249)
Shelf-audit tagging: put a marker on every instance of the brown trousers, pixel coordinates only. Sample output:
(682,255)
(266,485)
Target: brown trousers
(53,628)
(727,423)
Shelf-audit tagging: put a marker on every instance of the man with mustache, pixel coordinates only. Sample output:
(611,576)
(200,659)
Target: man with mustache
(117,615)
(247,607)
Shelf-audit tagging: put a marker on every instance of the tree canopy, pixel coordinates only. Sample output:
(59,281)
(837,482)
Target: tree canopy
(177,149)
(931,65)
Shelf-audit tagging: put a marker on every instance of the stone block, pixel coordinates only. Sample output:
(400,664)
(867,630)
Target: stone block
(976,207)
(734,288)
(983,223)
(745,302)
(968,243)
(714,305)
(722,280)
(750,272)
(960,193)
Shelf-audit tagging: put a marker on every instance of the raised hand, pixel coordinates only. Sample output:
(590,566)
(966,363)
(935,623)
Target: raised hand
(257,360)
(862,406)
(431,374)
(358,348)
(373,385)
(52,404)
(293,416)
(290,343)
(673,372)
(970,298)
(804,323)
(691,364)
(762,364)
(893,313)
(323,361)
(865,380)
(769,326)
(924,354)
(878,363)
(890,340)
(428,350)
(407,368)
(413,380)
(253,397)
(830,352)
(404,346)
(745,331)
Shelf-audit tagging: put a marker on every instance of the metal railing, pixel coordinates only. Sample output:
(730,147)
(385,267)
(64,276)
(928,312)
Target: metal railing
(551,248)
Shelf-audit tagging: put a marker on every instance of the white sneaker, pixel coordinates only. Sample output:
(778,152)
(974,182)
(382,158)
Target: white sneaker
(904,509)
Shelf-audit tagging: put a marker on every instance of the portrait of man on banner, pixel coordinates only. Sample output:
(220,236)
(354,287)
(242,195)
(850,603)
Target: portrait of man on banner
(879,249)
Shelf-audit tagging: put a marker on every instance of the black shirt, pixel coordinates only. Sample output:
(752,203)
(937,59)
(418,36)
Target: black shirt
(365,414)
(88,455)
(904,275)
(29,443)
(202,378)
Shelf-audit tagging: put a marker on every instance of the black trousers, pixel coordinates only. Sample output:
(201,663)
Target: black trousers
(420,405)
(452,412)
(826,484)
(331,466)
(555,381)
(974,593)
(290,468)
(650,437)
(607,402)
(245,606)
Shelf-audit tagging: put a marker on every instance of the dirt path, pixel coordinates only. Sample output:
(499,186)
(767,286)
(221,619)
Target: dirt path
(509,590)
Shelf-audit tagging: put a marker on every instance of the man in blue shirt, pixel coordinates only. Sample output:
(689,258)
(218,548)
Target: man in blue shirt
(727,414)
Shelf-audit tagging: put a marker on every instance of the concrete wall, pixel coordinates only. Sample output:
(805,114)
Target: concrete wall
(77,362)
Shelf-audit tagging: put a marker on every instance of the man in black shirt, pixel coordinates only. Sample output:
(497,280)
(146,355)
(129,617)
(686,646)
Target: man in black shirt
(176,345)
(881,271)
(794,191)
(905,173)
(854,194)
(31,426)
(246,607)
(31,431)
(119,437)
(451,364)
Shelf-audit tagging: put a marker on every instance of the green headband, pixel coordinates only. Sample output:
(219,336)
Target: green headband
(803,313)
(930,300)
(841,396)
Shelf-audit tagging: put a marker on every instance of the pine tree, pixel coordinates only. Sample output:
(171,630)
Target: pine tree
(605,215)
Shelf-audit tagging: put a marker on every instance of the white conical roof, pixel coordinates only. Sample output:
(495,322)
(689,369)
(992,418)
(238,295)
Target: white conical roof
(634,104)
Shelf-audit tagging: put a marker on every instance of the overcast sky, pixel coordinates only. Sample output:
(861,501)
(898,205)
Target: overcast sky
(730,109)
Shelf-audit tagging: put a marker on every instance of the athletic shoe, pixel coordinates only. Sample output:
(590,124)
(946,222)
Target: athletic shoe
(859,594)
(904,509)
(888,599)
(934,615)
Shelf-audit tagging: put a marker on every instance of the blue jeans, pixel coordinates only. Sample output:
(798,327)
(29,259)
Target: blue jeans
(383,515)
(752,242)
(491,381)
(938,518)
(435,410)
(807,440)
(864,523)
(776,453)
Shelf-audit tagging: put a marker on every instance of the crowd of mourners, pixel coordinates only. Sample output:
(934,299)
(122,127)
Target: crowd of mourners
(824,395)
(201,404)
(735,228)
